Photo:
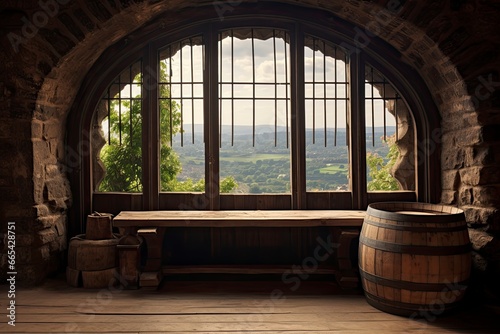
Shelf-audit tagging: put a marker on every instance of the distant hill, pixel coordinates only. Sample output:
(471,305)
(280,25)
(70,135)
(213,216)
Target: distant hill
(241,130)
(265,136)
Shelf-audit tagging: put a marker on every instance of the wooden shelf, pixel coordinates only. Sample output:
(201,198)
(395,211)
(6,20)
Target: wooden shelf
(251,218)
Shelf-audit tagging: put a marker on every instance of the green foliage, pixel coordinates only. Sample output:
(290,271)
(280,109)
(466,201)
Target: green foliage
(380,172)
(228,184)
(122,157)
(254,189)
(170,124)
(188,185)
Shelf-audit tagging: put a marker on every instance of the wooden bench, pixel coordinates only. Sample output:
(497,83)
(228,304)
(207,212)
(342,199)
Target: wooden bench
(150,226)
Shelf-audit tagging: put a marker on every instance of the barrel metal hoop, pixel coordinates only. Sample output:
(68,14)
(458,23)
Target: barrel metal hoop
(402,306)
(416,228)
(414,286)
(415,249)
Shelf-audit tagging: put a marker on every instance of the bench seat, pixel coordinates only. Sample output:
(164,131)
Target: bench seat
(150,226)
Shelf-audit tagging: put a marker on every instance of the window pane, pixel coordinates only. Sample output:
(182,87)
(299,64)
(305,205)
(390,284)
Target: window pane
(326,105)
(182,150)
(120,118)
(390,139)
(254,110)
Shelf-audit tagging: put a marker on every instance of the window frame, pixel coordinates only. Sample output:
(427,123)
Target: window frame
(145,43)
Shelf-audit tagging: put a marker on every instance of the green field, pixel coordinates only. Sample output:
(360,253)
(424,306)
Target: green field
(334,168)
(255,157)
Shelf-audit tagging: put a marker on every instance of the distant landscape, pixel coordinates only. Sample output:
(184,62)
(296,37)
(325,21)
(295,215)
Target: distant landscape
(265,168)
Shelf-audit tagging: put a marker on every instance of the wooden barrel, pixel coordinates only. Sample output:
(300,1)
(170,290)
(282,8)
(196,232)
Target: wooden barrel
(414,258)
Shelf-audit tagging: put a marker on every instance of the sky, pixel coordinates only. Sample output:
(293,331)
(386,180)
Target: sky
(267,110)
(265,74)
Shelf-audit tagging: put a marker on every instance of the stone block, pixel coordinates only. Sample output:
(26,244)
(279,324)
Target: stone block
(475,176)
(52,171)
(449,197)
(45,222)
(470,176)
(465,196)
(452,77)
(41,210)
(41,152)
(51,130)
(46,112)
(484,243)
(60,225)
(478,156)
(486,195)
(57,188)
(452,157)
(61,151)
(464,137)
(450,180)
(38,189)
(483,217)
(59,204)
(58,245)
(45,236)
(36,129)
(53,147)
(401,41)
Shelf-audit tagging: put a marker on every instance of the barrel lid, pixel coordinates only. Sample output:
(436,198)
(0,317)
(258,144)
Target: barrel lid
(415,212)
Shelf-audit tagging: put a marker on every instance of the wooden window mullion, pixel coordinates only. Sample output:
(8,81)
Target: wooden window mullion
(150,130)
(357,135)
(211,118)
(298,139)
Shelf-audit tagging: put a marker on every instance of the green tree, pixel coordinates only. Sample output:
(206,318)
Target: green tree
(122,157)
(254,189)
(228,184)
(380,172)
(170,125)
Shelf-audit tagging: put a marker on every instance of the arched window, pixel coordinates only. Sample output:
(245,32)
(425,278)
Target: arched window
(254,113)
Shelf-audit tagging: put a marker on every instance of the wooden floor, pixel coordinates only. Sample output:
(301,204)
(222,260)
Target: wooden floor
(218,306)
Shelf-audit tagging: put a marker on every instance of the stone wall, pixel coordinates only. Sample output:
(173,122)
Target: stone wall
(51,44)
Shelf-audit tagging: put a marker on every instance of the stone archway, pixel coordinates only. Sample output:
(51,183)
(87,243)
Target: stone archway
(65,48)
